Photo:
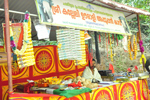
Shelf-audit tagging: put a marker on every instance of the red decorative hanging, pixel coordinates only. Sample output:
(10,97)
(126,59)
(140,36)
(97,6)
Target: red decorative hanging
(99,38)
(117,39)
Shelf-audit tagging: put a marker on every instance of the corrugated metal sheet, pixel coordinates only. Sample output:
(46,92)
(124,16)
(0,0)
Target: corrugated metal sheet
(20,5)
(17,5)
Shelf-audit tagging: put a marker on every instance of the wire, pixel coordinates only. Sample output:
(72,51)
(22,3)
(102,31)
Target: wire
(17,12)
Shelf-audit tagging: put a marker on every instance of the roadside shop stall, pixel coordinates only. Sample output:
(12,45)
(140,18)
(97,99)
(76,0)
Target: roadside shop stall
(51,65)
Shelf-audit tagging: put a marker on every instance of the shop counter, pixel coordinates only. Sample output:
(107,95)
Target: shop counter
(133,90)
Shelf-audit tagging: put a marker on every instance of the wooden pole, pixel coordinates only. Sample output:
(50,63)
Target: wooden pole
(6,7)
(140,37)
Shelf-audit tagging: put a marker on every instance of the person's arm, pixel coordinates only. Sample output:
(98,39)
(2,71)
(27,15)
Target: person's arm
(97,75)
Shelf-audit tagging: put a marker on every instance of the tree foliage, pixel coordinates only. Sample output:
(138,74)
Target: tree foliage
(144,20)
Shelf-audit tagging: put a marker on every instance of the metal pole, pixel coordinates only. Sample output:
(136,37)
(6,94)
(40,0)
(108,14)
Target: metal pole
(8,46)
(18,12)
(140,37)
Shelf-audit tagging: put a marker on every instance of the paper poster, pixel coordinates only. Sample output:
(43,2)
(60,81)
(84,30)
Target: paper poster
(43,31)
(125,43)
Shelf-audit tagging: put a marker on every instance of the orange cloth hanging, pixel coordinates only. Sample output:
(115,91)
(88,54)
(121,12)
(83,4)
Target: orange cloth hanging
(111,68)
(20,40)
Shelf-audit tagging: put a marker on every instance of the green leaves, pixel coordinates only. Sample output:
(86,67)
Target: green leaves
(144,20)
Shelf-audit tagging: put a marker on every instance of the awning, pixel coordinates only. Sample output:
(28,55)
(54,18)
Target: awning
(129,12)
(23,5)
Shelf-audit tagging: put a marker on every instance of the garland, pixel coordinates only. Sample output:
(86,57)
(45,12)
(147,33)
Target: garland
(111,55)
(25,37)
(141,46)
(134,47)
(142,50)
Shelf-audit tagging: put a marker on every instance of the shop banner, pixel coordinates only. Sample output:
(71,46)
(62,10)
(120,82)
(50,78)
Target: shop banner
(81,15)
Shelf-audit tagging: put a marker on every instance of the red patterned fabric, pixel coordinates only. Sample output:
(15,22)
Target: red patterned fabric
(133,90)
(47,65)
